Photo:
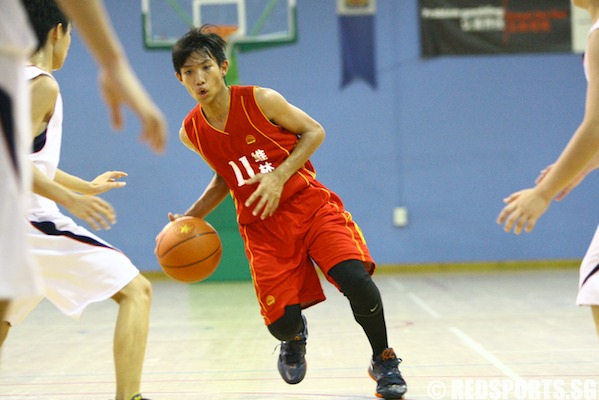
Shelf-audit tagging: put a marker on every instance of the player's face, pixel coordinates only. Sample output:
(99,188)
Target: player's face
(61,46)
(202,77)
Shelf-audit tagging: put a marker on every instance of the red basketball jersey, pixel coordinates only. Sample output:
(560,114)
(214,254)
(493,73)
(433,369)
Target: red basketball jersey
(248,145)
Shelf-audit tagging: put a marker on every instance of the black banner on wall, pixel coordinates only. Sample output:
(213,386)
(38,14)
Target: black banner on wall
(458,27)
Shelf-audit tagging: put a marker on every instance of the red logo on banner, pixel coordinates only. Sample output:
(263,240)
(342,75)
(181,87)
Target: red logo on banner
(537,21)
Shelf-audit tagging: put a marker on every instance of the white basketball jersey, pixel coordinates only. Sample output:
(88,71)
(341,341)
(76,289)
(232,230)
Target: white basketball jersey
(46,150)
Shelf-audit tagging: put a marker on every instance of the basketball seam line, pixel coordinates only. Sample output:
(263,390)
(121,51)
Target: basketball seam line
(193,263)
(180,243)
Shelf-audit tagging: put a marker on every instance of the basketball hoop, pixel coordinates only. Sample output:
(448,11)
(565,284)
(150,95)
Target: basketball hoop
(224,31)
(227,32)
(245,25)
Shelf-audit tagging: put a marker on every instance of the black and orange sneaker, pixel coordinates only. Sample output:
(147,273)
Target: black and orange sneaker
(292,361)
(384,370)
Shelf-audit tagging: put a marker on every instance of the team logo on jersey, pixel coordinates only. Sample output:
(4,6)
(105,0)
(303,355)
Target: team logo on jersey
(250,139)
(270,300)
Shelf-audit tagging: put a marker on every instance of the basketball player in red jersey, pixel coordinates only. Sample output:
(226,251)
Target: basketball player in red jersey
(259,147)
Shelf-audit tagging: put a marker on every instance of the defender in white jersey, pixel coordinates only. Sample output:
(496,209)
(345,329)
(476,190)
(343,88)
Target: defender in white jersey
(580,157)
(120,86)
(77,267)
(17,42)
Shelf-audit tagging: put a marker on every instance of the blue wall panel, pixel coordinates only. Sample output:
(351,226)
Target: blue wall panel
(447,138)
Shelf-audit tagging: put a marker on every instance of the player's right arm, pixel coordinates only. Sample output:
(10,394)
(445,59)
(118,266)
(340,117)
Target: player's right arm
(93,210)
(213,195)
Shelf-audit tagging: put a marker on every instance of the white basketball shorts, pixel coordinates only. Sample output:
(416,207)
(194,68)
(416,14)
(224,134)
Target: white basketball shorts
(77,268)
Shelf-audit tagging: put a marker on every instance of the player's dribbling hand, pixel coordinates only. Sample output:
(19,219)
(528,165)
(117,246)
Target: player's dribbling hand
(173,217)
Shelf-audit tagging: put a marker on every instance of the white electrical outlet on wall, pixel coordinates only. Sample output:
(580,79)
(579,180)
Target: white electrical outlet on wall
(400,216)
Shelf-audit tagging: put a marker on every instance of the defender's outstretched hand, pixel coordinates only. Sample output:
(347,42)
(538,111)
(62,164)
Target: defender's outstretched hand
(119,85)
(107,181)
(98,213)
(522,211)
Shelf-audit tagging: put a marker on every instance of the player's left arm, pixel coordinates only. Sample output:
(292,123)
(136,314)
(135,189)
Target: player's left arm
(525,207)
(213,195)
(580,155)
(589,127)
(311,134)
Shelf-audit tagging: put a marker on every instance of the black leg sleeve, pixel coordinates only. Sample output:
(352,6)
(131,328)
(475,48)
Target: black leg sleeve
(365,301)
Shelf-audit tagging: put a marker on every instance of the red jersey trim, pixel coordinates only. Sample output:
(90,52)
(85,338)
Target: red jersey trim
(196,143)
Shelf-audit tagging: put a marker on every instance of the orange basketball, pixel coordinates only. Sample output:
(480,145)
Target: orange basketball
(188,249)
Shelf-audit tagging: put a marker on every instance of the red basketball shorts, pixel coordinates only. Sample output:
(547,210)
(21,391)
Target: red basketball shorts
(310,228)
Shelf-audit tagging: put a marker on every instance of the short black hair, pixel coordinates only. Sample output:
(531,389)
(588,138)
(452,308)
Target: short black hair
(44,15)
(200,40)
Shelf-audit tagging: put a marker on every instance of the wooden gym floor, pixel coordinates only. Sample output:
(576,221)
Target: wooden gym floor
(207,341)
